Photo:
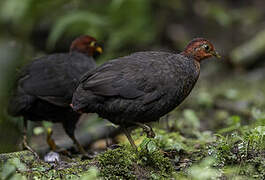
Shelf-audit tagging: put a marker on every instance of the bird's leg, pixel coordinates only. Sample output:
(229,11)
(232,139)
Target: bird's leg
(79,146)
(147,129)
(52,144)
(69,127)
(129,137)
(25,143)
(50,141)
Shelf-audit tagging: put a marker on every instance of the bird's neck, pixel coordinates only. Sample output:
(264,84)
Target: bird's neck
(197,65)
(190,55)
(192,58)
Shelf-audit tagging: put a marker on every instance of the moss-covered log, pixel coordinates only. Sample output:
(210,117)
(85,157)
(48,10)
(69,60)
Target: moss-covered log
(23,164)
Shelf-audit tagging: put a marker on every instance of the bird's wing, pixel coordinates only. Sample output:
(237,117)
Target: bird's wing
(129,77)
(109,82)
(52,78)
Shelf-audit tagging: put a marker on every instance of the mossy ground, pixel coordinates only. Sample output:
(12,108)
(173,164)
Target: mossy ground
(170,155)
(126,163)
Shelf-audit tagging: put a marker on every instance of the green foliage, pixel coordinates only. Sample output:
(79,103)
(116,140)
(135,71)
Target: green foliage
(259,116)
(131,23)
(122,23)
(168,141)
(233,123)
(150,156)
(243,149)
(205,99)
(9,169)
(191,118)
(204,170)
(38,130)
(149,145)
(231,94)
(23,15)
(91,174)
(77,22)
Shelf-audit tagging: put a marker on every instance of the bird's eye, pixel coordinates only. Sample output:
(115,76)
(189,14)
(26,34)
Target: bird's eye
(206,47)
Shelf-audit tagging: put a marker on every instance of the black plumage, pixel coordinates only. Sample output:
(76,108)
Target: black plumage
(141,87)
(45,87)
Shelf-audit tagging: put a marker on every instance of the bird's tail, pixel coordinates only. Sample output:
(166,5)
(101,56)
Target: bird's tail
(19,103)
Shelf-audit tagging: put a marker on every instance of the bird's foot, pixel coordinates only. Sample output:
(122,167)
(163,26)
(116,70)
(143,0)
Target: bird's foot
(114,146)
(54,148)
(150,133)
(87,156)
(147,129)
(80,148)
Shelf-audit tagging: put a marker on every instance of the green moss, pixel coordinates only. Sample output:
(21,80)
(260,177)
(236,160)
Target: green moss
(25,156)
(126,163)
(67,170)
(117,163)
(156,163)
(23,164)
(242,152)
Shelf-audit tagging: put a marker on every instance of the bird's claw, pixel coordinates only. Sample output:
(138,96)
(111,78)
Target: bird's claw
(149,131)
(87,156)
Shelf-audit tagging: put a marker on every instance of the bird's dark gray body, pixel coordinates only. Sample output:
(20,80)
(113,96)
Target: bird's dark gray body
(140,87)
(45,87)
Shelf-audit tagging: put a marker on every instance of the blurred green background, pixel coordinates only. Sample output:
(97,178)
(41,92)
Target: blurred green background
(235,85)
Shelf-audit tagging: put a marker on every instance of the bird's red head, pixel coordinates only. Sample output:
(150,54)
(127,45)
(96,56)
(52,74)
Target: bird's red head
(87,45)
(200,49)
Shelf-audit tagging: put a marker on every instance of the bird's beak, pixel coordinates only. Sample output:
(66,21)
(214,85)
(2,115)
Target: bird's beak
(99,49)
(214,53)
